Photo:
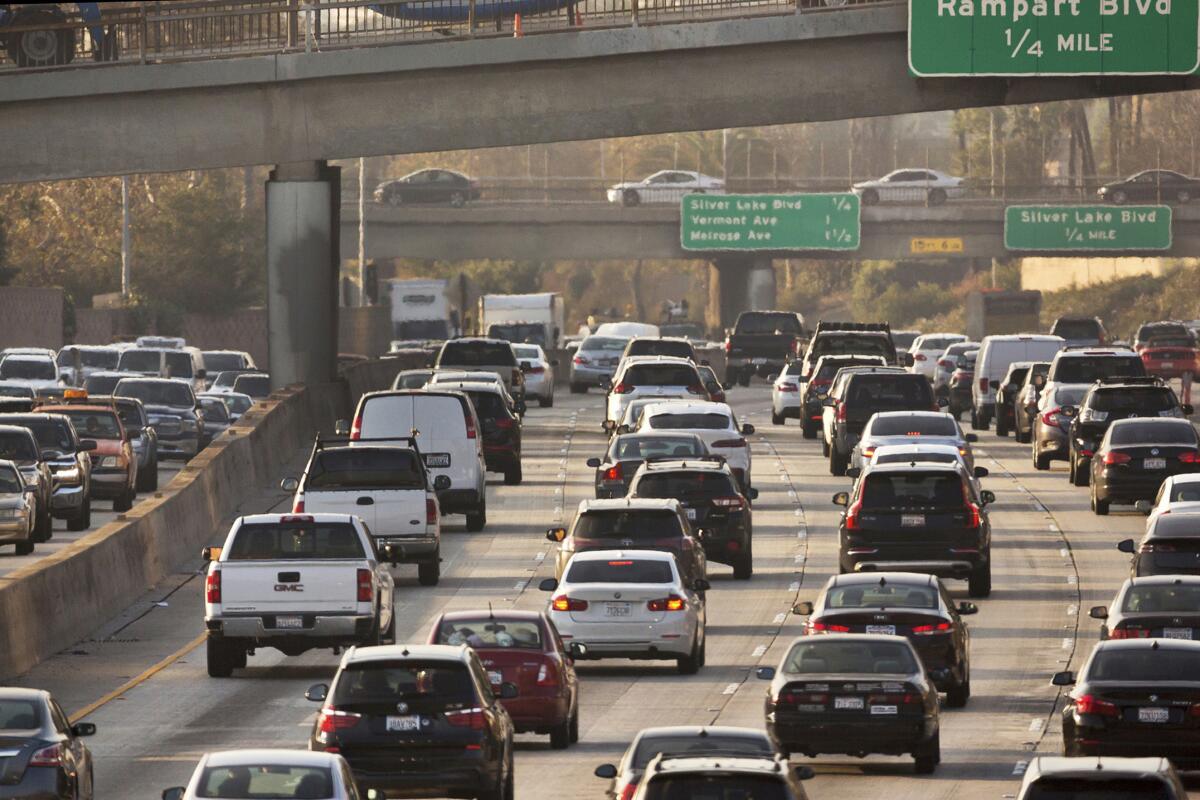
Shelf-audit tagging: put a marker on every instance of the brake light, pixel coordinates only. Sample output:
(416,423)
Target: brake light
(868,452)
(331,720)
(816,626)
(296,518)
(920,357)
(565,603)
(669,603)
(973,519)
(298,506)
(580,360)
(729,443)
(547,675)
(212,587)
(695,388)
(1189,457)
(1090,704)
(504,423)
(733,503)
(431,511)
(1156,547)
(931,630)
(613,473)
(983,384)
(629,791)
(807,698)
(622,388)
(787,387)
(356,428)
(536,370)
(1113,457)
(366,586)
(470,422)
(945,363)
(728,347)
(840,413)
(51,756)
(852,513)
(815,382)
(1129,633)
(466,718)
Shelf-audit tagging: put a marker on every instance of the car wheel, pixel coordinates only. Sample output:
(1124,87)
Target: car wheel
(870,197)
(458,199)
(44,528)
(579,388)
(744,378)
(979,583)
(959,694)
(776,419)
(124,502)
(1119,197)
(220,658)
(824,447)
(560,736)
(477,519)
(937,197)
(1080,476)
(575,725)
(429,572)
(630,198)
(930,756)
(546,402)
(512,475)
(83,520)
(690,664)
(1041,463)
(975,425)
(1183,196)
(743,568)
(1099,505)
(25,548)
(1001,426)
(837,462)
(808,429)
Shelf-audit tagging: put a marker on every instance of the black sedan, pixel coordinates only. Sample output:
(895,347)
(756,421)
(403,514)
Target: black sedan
(1171,546)
(628,451)
(1157,607)
(1135,698)
(1136,455)
(41,753)
(853,694)
(1151,186)
(907,604)
(428,186)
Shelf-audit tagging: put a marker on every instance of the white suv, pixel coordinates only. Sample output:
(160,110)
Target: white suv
(928,348)
(652,376)
(715,423)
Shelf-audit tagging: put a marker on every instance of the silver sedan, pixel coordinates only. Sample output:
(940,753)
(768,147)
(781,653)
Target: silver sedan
(912,427)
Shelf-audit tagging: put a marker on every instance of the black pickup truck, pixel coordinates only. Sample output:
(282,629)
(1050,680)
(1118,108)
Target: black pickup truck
(762,342)
(853,338)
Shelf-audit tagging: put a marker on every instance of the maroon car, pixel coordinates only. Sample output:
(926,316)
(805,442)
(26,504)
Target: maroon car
(523,648)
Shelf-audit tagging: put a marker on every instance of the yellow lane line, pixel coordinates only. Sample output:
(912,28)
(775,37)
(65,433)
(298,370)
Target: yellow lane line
(140,679)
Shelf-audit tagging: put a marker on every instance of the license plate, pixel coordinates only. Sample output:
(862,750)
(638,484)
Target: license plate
(1155,715)
(437,459)
(758,362)
(912,520)
(289,622)
(888,630)
(1177,633)
(1154,463)
(691,512)
(878,710)
(616,609)
(848,703)
(1167,364)
(404,724)
(496,677)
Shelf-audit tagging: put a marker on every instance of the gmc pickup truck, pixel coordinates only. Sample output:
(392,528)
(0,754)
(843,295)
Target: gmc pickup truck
(762,343)
(295,582)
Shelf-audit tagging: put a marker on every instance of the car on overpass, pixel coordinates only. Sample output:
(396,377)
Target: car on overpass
(665,186)
(429,186)
(911,186)
(1151,186)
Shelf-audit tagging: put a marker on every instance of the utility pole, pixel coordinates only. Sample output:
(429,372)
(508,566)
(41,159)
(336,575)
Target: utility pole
(362,233)
(125,238)
(725,157)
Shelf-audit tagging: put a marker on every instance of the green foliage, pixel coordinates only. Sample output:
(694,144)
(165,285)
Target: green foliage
(882,292)
(1126,303)
(1025,136)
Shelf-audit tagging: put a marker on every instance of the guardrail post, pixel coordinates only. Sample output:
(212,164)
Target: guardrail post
(293,31)
(144,31)
(471,17)
(634,13)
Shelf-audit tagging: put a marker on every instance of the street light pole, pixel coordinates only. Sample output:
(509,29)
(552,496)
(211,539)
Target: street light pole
(125,238)
(362,237)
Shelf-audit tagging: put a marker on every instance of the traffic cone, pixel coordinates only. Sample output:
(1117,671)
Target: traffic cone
(517,26)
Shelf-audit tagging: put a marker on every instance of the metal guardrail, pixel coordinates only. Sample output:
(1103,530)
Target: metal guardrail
(46,37)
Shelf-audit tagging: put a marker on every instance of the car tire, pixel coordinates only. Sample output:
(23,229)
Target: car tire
(1001,427)
(776,419)
(979,583)
(83,520)
(824,447)
(147,480)
(477,520)
(1041,463)
(927,759)
(1079,475)
(579,388)
(43,529)
(630,198)
(808,429)
(690,664)
(458,199)
(429,572)
(937,197)
(870,197)
(575,725)
(975,426)
(959,694)
(560,736)
(744,377)
(546,402)
(1119,197)
(24,548)
(512,475)
(837,462)
(1183,196)
(220,658)
(1099,506)
(743,568)
(124,502)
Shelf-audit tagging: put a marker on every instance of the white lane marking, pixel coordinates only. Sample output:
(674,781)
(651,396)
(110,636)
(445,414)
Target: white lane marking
(794,586)
(1068,643)
(798,512)
(759,651)
(520,585)
(1073,579)
(1053,527)
(780,617)
(1020,767)
(1064,552)
(792,494)
(1072,610)
(562,463)
(730,689)
(801,534)
(540,557)
(1036,725)
(800,557)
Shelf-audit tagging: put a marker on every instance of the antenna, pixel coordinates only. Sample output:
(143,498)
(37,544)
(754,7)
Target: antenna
(491,613)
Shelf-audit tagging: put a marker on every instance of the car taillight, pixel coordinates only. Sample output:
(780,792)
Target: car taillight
(629,791)
(669,603)
(973,518)
(840,413)
(366,586)
(1189,457)
(431,511)
(819,383)
(732,503)
(868,452)
(51,756)
(537,370)
(1129,633)
(945,363)
(802,698)
(728,347)
(983,384)
(547,675)
(695,388)
(212,587)
(852,516)
(356,428)
(470,422)
(1156,547)
(787,387)
(729,443)
(623,388)
(298,506)
(505,423)
(613,473)
(565,603)
(580,360)
(1114,457)
(1051,417)
(920,357)
(331,720)
(1090,704)
(817,626)
(930,630)
(466,718)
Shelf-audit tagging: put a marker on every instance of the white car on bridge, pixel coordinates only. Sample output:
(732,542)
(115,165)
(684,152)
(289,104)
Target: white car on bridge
(666,186)
(911,186)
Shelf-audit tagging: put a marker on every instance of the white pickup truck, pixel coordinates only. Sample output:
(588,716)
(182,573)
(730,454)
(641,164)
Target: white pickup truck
(385,485)
(295,582)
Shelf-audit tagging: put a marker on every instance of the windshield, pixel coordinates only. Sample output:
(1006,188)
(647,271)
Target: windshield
(686,486)
(219,362)
(51,434)
(849,657)
(1099,788)
(11,390)
(627,524)
(629,448)
(488,406)
(1125,401)
(296,541)
(214,410)
(179,365)
(139,361)
(619,572)
(768,323)
(603,343)
(1144,665)
(659,347)
(492,632)
(914,425)
(650,746)
(830,366)
(1156,433)
(10,481)
(660,375)
(131,416)
(30,369)
(882,392)
(476,354)
(518,332)
(696,421)
(102,384)
(728,786)
(158,393)
(253,385)
(363,468)
(18,447)
(265,782)
(527,352)
(1162,597)
(850,344)
(103,359)
(225,379)
(412,380)
(94,424)
(913,490)
(237,403)
(882,595)
(1088,369)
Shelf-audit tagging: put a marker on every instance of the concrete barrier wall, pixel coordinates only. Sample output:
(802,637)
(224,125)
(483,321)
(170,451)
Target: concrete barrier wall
(64,597)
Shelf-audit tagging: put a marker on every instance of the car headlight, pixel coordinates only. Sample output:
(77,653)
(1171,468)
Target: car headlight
(68,474)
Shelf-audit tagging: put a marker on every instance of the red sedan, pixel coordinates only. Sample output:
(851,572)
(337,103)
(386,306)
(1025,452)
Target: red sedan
(523,648)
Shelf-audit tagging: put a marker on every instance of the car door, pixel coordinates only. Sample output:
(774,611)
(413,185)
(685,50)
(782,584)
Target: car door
(657,188)
(79,761)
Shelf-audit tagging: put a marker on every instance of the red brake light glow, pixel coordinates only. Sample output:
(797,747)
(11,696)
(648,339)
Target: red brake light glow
(298,506)
(366,586)
(1129,633)
(356,428)
(51,756)
(1116,457)
(212,587)
(466,718)
(1189,457)
(669,603)
(852,516)
(431,511)
(1090,704)
(564,603)
(817,626)
(331,720)
(930,630)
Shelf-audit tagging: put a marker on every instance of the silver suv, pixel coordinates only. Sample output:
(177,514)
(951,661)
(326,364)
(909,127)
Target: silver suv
(695,774)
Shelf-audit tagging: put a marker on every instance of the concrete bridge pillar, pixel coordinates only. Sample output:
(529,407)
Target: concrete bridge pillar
(737,284)
(303,235)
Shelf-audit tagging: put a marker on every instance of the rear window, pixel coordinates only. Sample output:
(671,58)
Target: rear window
(658,347)
(12,390)
(253,385)
(491,632)
(1177,525)
(19,715)
(274,781)
(139,361)
(606,343)
(361,468)
(518,332)
(686,485)
(850,343)
(830,367)
(885,596)
(446,683)
(103,359)
(768,323)
(411,380)
(17,447)
(913,490)
(1162,598)
(476,354)
(619,571)
(439,415)
(28,369)
(94,424)
(913,426)
(157,393)
(938,342)
(642,447)
(219,362)
(881,392)
(1129,400)
(627,524)
(660,375)
(651,746)
(1088,369)
(1156,332)
(731,786)
(526,352)
(1153,433)
(697,421)
(1181,492)
(101,384)
(488,405)
(830,655)
(1144,665)
(295,540)
(1076,329)
(1099,789)
(1070,395)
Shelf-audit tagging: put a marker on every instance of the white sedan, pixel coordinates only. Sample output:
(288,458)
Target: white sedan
(715,423)
(539,378)
(268,773)
(1178,494)
(911,186)
(630,604)
(666,186)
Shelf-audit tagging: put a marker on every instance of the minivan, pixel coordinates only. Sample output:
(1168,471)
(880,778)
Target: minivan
(996,353)
(447,432)
(184,363)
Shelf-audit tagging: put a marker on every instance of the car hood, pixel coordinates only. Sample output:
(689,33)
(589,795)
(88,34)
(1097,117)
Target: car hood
(171,411)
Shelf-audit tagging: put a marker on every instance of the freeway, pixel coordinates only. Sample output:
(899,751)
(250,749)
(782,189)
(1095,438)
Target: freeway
(1050,558)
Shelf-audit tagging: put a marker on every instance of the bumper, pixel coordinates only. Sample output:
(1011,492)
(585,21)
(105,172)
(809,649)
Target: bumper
(1128,488)
(592,376)
(538,714)
(38,783)
(1052,442)
(660,641)
(410,775)
(110,485)
(410,550)
(787,403)
(820,733)
(941,565)
(66,500)
(458,501)
(319,630)
(1182,747)
(500,458)
(725,544)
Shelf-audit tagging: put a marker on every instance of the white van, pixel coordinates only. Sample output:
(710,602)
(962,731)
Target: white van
(448,435)
(996,353)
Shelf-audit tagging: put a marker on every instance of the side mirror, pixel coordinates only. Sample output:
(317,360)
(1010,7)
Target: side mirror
(606,771)
(1063,679)
(556,534)
(609,425)
(765,673)
(594,463)
(971,437)
(341,427)
(803,609)
(210,554)
(828,402)
(520,407)
(853,472)
(803,772)
(752,494)
(966,609)
(981,472)
(577,649)
(508,691)
(526,366)
(83,729)
(87,445)
(713,387)
(1127,546)
(988,497)
(747,429)
(548,585)
(1098,612)
(174,793)
(841,499)
(1143,506)
(441,483)
(317,692)
(606,383)
(1188,409)
(994,384)
(774,376)
(701,585)
(289,484)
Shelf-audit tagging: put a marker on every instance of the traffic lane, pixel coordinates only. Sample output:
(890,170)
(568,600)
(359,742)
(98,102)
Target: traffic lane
(102,514)
(151,736)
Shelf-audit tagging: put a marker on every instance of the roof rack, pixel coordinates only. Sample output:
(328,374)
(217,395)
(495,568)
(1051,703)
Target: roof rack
(827,325)
(711,459)
(1131,380)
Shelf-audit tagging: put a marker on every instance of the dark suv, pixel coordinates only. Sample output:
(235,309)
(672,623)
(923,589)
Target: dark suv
(856,338)
(1077,331)
(1007,391)
(418,721)
(715,506)
(70,465)
(492,355)
(814,391)
(1107,401)
(866,393)
(928,518)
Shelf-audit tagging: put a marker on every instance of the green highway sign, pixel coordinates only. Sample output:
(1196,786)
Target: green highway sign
(958,38)
(770,222)
(1079,228)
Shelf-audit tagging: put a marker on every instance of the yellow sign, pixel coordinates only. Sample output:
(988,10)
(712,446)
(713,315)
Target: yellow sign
(924,246)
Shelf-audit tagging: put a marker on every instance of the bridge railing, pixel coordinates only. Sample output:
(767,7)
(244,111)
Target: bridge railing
(49,37)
